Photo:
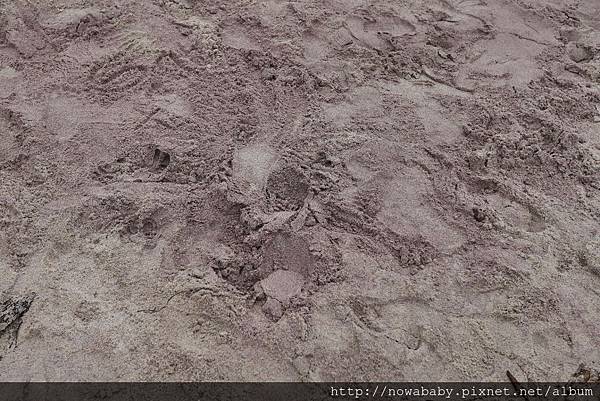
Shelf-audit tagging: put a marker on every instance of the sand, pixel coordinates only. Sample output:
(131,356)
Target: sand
(317,190)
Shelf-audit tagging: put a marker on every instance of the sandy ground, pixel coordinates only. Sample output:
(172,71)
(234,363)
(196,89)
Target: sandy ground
(299,190)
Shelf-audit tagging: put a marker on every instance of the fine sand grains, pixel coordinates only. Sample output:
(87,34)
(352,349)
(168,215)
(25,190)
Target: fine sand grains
(315,190)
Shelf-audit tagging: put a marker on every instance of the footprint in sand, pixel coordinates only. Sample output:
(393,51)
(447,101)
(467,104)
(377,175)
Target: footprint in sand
(377,32)
(235,36)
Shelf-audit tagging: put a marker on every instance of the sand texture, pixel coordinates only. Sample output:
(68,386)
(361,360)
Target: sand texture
(299,190)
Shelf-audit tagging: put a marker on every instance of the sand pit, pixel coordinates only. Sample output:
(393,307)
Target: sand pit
(299,190)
